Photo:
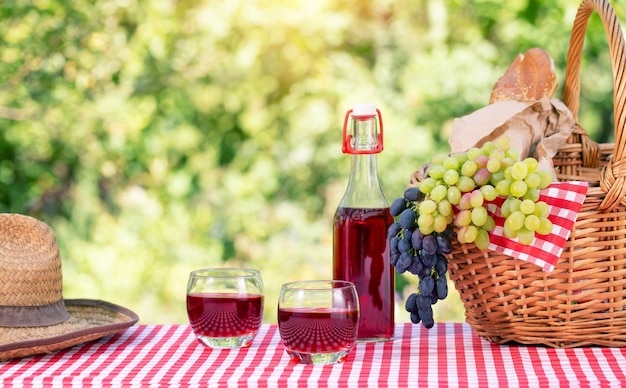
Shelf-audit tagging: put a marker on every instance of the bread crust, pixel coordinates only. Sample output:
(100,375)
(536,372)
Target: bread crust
(530,77)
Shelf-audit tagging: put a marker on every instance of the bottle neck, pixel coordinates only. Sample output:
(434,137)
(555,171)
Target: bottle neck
(364,190)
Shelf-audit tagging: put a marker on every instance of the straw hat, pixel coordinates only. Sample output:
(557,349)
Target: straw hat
(34,317)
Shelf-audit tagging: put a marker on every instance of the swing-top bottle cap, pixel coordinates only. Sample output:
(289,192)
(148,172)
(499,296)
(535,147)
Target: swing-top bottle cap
(364,110)
(363,136)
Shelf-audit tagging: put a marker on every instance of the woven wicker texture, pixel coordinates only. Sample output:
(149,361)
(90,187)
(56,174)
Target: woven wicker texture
(34,318)
(89,320)
(29,262)
(583,301)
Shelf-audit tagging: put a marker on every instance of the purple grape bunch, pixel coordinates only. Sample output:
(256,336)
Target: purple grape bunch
(419,254)
(453,195)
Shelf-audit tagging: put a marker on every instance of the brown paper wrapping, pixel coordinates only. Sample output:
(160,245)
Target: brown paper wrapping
(536,128)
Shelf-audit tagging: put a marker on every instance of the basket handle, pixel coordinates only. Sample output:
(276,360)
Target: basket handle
(613,177)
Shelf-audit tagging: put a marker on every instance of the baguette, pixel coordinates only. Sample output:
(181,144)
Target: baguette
(530,77)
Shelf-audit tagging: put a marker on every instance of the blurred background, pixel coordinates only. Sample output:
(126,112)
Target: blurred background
(161,136)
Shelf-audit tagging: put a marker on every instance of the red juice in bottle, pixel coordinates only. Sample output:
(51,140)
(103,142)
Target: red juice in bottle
(360,245)
(361,251)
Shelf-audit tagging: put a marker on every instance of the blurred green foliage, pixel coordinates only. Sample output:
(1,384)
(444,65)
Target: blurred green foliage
(161,136)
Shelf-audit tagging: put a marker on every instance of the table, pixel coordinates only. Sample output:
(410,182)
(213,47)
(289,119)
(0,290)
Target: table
(449,354)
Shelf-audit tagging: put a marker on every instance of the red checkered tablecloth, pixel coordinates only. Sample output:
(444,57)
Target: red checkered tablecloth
(449,354)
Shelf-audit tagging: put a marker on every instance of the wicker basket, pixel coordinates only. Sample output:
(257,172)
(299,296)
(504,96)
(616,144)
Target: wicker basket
(583,301)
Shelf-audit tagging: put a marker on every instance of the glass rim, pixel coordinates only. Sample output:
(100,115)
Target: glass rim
(228,272)
(331,282)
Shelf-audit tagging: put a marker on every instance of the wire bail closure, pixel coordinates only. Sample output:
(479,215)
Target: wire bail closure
(347,146)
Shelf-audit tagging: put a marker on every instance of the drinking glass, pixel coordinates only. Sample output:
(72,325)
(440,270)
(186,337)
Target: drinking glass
(225,306)
(318,320)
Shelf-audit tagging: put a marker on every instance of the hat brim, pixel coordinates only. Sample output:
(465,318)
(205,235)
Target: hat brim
(89,320)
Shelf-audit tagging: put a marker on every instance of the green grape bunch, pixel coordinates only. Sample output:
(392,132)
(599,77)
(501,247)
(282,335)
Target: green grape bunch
(454,194)
(470,179)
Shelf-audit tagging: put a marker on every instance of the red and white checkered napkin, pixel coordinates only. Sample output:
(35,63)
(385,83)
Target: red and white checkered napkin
(565,200)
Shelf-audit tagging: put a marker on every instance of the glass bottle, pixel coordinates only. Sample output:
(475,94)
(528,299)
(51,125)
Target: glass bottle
(360,244)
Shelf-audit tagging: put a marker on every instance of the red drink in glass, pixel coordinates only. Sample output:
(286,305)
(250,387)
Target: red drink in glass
(225,315)
(361,251)
(318,320)
(318,330)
